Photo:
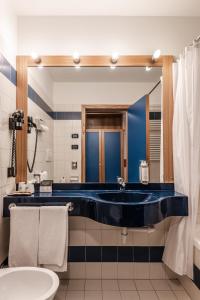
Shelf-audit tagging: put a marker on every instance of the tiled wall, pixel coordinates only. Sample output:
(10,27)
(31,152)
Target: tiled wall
(63,154)
(7,106)
(39,102)
(98,251)
(44,156)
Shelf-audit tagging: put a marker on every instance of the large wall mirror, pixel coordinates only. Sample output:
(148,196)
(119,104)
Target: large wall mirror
(94,121)
(92,124)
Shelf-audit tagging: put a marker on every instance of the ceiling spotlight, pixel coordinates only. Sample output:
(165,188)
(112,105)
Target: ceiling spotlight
(112,67)
(114,58)
(76,58)
(156,55)
(37,59)
(77,67)
(147,68)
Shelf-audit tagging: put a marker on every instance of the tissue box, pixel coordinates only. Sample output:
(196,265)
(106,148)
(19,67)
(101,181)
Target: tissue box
(46,186)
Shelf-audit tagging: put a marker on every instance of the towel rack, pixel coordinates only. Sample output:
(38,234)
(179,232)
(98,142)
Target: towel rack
(70,204)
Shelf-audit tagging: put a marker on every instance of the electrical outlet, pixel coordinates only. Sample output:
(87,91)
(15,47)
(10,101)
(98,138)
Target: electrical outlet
(74,135)
(74,165)
(10,172)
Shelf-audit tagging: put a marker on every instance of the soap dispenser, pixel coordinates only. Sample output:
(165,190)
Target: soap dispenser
(144,172)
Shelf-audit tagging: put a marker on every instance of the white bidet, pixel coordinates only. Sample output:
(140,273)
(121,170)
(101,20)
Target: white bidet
(28,283)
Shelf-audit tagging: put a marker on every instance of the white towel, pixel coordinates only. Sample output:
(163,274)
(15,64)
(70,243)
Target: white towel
(53,238)
(24,234)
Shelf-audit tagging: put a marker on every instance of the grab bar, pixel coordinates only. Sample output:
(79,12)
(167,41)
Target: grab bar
(69,204)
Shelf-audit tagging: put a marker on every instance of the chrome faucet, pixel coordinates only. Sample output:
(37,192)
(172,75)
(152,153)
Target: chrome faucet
(121,182)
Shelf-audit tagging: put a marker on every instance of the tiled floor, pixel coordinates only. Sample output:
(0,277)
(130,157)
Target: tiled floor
(121,290)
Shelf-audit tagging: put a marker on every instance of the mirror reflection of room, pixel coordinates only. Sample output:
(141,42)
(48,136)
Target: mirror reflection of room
(94,124)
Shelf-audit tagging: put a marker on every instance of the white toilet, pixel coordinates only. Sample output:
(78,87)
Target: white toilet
(28,283)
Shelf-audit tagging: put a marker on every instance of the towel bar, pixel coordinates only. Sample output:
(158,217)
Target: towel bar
(71,205)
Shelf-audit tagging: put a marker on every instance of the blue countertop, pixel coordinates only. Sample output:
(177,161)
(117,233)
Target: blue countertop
(137,206)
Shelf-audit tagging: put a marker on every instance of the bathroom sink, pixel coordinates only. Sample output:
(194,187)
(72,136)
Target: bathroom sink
(127,197)
(136,206)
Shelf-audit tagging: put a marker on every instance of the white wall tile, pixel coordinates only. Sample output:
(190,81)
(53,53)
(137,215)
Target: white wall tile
(125,270)
(109,270)
(76,271)
(93,270)
(93,237)
(141,270)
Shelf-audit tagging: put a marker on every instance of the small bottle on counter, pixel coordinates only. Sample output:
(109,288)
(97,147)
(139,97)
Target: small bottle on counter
(144,172)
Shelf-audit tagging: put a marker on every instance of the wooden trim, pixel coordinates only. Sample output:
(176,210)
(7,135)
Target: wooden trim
(125,141)
(122,152)
(83,130)
(102,157)
(147,130)
(168,118)
(107,108)
(97,61)
(21,103)
(104,129)
(23,62)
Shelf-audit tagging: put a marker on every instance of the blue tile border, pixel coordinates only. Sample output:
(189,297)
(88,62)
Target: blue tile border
(141,254)
(109,254)
(125,253)
(7,70)
(67,115)
(115,254)
(93,254)
(196,279)
(76,254)
(35,97)
(155,253)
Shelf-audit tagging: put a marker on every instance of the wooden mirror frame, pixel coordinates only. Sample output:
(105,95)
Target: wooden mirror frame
(23,62)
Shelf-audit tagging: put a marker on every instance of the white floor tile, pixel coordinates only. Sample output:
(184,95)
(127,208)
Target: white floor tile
(111,295)
(182,295)
(129,295)
(166,295)
(93,285)
(75,295)
(160,285)
(148,295)
(143,285)
(61,295)
(126,285)
(175,285)
(93,295)
(110,285)
(76,285)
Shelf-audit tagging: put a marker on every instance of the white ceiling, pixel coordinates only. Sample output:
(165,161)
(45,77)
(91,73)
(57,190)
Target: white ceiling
(107,7)
(102,74)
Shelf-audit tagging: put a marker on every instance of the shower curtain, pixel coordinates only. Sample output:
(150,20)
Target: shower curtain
(178,254)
